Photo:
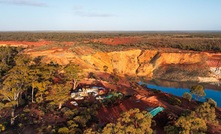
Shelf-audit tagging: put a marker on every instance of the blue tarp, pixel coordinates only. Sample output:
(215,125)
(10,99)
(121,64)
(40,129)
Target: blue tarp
(155,111)
(109,96)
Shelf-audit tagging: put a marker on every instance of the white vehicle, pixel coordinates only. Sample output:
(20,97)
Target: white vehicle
(79,94)
(74,103)
(89,90)
(93,91)
(79,98)
(73,95)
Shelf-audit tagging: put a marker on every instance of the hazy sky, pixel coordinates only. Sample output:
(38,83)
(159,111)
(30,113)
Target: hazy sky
(138,15)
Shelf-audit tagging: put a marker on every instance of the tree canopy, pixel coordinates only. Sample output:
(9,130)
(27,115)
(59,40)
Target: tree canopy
(132,121)
(187,96)
(59,94)
(27,81)
(198,90)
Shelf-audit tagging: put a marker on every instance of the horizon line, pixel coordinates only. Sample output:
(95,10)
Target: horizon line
(115,31)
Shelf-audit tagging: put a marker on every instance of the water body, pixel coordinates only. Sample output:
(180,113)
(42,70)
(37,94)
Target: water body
(178,88)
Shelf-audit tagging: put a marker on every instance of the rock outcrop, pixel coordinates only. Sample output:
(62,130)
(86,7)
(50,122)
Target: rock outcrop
(140,62)
(136,62)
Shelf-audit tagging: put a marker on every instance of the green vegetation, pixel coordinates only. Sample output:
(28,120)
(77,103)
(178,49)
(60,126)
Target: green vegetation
(198,90)
(7,55)
(206,112)
(27,81)
(191,124)
(2,128)
(187,41)
(195,122)
(211,102)
(113,98)
(56,36)
(72,72)
(63,130)
(36,96)
(133,121)
(187,96)
(59,94)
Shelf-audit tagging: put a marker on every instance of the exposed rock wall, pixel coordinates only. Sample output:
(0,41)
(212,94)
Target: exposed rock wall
(146,66)
(125,62)
(138,62)
(135,62)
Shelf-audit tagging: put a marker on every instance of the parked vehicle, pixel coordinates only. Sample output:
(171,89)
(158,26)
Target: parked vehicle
(74,103)
(79,98)
(80,93)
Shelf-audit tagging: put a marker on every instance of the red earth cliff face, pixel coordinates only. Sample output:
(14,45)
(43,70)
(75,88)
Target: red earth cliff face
(134,62)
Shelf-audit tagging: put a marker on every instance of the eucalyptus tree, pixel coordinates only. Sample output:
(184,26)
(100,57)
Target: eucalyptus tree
(73,73)
(15,83)
(187,96)
(34,77)
(198,90)
(59,94)
(7,55)
(132,121)
(206,112)
(41,78)
(191,124)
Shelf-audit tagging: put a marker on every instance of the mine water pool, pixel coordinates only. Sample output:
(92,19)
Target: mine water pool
(178,88)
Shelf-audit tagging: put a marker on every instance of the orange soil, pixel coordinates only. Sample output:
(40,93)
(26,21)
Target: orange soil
(26,43)
(32,44)
(118,40)
(108,41)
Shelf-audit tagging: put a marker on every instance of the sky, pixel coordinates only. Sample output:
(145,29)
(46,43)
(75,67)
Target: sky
(110,15)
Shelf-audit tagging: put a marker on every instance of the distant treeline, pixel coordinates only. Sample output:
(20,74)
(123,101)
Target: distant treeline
(213,45)
(58,36)
(71,36)
(207,41)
